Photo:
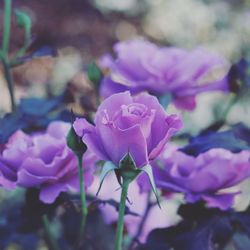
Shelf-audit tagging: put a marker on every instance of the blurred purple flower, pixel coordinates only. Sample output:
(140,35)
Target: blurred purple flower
(205,177)
(43,160)
(142,66)
(123,124)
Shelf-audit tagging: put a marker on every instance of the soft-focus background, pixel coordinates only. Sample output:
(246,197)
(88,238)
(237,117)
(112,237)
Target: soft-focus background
(83,30)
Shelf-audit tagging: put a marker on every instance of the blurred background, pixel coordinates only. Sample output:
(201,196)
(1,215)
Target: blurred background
(83,30)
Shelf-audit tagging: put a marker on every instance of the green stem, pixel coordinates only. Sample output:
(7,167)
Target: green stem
(84,208)
(5,51)
(52,244)
(9,80)
(6,27)
(120,225)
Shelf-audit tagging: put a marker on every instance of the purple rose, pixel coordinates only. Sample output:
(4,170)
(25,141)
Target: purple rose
(142,66)
(138,125)
(206,176)
(43,160)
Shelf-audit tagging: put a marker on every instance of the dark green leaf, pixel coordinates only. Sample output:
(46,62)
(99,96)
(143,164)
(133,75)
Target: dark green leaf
(94,74)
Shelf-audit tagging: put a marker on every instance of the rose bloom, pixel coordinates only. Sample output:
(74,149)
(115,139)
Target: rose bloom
(142,66)
(206,177)
(138,125)
(43,160)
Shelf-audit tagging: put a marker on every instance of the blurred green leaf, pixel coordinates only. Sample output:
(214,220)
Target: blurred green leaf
(23,20)
(94,74)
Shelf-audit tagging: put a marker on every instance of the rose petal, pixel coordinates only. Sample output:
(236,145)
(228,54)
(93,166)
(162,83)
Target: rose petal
(173,125)
(109,87)
(89,136)
(58,129)
(185,102)
(118,143)
(26,179)
(222,201)
(109,106)
(48,194)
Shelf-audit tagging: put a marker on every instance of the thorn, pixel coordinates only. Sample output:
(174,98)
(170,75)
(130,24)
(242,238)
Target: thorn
(119,188)
(130,202)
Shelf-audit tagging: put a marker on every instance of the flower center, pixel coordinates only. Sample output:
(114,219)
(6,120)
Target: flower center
(135,109)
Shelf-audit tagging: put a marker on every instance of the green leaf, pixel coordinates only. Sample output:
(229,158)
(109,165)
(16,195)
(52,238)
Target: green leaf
(94,74)
(148,170)
(107,168)
(23,20)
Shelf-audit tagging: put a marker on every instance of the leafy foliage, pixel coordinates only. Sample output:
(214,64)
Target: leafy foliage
(239,75)
(34,114)
(201,229)
(21,218)
(21,222)
(235,140)
(94,74)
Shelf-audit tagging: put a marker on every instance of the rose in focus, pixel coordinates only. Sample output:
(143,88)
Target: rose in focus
(43,160)
(138,125)
(205,177)
(142,66)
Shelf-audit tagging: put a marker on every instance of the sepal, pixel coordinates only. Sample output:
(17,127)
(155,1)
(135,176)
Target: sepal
(75,143)
(107,168)
(148,170)
(127,168)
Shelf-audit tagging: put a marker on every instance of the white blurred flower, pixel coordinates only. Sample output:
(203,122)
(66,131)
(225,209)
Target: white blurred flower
(190,23)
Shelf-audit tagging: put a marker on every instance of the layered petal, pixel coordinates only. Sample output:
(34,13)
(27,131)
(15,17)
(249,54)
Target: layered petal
(207,176)
(119,142)
(140,66)
(43,161)
(90,137)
